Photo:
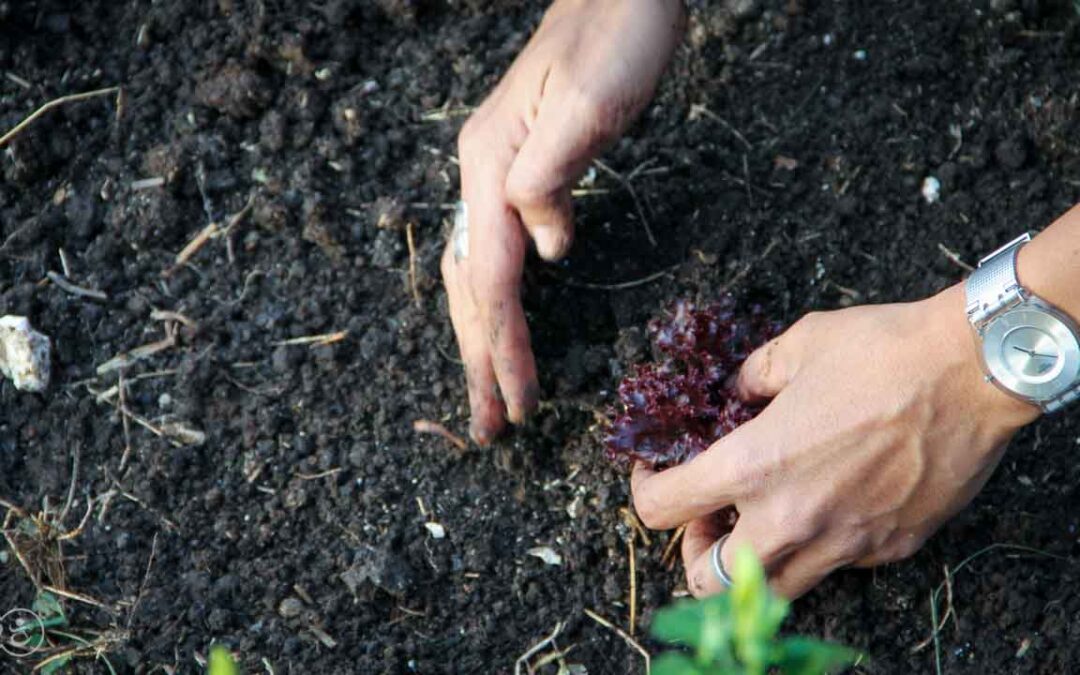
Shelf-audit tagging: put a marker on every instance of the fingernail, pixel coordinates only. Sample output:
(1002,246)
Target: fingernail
(479,435)
(551,242)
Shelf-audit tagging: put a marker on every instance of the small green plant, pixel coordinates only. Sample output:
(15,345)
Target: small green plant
(221,662)
(735,633)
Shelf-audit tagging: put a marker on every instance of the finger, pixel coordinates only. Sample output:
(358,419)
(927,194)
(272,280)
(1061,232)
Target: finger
(807,568)
(698,539)
(556,152)
(486,419)
(496,258)
(770,367)
(749,531)
(720,476)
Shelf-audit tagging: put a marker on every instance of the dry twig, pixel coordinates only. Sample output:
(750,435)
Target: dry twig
(70,98)
(626,638)
(626,183)
(63,284)
(523,660)
(317,340)
(409,239)
(430,427)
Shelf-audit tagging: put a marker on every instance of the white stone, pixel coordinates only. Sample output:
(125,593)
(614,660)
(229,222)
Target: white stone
(24,354)
(547,554)
(931,189)
(436,529)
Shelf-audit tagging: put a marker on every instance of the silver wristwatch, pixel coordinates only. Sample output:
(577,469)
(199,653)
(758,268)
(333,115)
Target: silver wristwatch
(1030,349)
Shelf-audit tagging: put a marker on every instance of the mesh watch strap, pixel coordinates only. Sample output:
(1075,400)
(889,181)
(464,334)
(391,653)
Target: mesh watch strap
(994,286)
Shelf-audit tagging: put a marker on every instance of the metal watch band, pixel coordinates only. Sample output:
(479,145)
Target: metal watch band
(994,286)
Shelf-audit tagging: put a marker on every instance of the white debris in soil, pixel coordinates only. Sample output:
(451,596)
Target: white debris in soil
(436,529)
(24,354)
(931,189)
(547,554)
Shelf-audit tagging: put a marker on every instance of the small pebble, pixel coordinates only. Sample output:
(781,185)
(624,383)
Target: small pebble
(931,189)
(436,529)
(290,607)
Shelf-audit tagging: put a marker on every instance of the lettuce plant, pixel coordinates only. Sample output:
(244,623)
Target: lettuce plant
(672,409)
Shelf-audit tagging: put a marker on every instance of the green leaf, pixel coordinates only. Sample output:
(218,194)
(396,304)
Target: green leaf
(221,662)
(55,666)
(47,606)
(806,656)
(679,623)
(758,613)
(676,663)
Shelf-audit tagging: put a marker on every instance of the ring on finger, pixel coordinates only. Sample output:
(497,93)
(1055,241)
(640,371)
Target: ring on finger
(718,564)
(459,236)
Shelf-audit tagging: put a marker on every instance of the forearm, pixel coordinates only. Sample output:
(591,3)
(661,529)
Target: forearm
(1049,266)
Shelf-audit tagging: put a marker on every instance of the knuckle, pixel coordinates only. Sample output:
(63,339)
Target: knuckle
(906,547)
(649,509)
(525,188)
(607,113)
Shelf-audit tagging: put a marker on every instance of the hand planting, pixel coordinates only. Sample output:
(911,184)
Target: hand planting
(672,409)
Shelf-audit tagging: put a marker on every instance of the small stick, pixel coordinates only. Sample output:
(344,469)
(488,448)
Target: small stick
(954,258)
(34,578)
(523,660)
(122,404)
(633,195)
(78,597)
(667,558)
(321,474)
(168,315)
(697,109)
(409,239)
(18,80)
(621,633)
(430,427)
(738,276)
(147,183)
(70,98)
(324,339)
(101,396)
(123,360)
(64,262)
(633,580)
(632,521)
(625,284)
(145,581)
(76,453)
(192,247)
(71,288)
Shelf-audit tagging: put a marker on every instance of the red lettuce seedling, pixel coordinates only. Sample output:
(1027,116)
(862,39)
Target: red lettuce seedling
(674,408)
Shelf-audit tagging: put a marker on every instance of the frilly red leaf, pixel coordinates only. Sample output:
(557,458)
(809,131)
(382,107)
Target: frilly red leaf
(671,410)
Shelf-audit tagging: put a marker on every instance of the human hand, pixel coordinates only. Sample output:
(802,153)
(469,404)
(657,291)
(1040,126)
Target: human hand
(879,427)
(587,72)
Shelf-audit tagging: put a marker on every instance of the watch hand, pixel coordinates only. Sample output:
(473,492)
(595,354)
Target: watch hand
(1032,353)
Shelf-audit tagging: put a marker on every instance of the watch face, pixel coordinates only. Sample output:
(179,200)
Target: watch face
(1033,352)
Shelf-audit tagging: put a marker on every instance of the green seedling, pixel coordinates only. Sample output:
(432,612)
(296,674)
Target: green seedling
(735,633)
(221,662)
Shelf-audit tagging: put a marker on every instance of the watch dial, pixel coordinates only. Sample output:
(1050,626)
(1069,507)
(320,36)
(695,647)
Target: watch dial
(1031,354)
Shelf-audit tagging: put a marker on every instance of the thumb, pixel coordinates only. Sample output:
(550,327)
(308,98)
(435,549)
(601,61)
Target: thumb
(561,142)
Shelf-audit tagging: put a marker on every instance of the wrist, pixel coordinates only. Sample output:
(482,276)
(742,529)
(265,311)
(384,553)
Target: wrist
(961,354)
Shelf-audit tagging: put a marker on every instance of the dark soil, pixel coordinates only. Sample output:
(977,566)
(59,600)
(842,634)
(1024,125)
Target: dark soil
(805,197)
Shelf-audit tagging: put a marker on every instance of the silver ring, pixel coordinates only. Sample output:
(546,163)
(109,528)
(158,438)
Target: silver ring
(459,235)
(718,564)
